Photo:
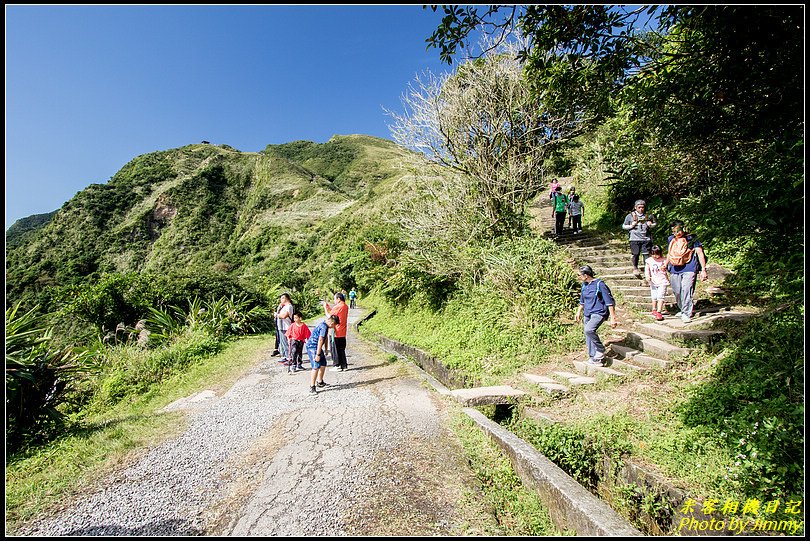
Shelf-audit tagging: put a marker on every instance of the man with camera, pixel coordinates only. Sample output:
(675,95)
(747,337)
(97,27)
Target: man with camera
(341,310)
(639,224)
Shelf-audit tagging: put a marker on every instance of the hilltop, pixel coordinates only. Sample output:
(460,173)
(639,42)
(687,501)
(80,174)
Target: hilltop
(211,209)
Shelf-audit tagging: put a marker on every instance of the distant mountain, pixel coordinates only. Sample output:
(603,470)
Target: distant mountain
(213,209)
(21,227)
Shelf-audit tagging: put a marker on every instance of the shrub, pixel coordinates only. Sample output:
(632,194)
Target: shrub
(37,376)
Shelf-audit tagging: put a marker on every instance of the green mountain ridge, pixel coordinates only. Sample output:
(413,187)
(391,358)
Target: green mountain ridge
(208,208)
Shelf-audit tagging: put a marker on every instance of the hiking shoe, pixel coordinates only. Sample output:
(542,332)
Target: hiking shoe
(312,390)
(685,318)
(658,316)
(275,353)
(596,362)
(323,384)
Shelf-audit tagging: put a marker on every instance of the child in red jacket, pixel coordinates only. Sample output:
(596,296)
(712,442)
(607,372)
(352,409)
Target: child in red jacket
(297,334)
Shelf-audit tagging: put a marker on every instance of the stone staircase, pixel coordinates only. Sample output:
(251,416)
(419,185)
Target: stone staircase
(642,344)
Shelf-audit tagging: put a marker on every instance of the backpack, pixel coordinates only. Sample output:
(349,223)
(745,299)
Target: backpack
(679,253)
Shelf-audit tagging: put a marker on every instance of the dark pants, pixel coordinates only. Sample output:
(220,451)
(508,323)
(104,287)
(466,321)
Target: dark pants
(332,348)
(297,353)
(577,219)
(560,222)
(639,247)
(340,351)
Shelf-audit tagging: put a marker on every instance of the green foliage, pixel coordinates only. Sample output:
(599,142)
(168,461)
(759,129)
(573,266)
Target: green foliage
(490,329)
(330,160)
(519,510)
(754,404)
(19,230)
(37,376)
(226,316)
(131,370)
(567,446)
(127,298)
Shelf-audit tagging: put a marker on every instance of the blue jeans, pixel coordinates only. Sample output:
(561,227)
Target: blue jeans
(284,344)
(683,286)
(596,349)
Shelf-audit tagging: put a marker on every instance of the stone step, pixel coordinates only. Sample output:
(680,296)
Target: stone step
(646,300)
(667,332)
(569,233)
(656,347)
(650,362)
(614,270)
(707,316)
(580,240)
(481,396)
(637,291)
(624,279)
(609,258)
(624,352)
(589,369)
(596,249)
(627,365)
(575,379)
(549,385)
(636,358)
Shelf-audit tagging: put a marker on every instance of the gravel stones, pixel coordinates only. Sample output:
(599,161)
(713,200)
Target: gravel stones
(267,459)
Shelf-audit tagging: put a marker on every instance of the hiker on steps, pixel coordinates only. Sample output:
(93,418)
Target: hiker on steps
(685,258)
(639,224)
(560,205)
(575,208)
(572,192)
(595,302)
(655,270)
(552,194)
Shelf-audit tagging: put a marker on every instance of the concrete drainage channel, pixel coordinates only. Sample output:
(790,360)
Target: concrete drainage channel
(571,506)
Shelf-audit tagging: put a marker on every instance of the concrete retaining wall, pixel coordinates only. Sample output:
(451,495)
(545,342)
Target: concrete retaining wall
(570,505)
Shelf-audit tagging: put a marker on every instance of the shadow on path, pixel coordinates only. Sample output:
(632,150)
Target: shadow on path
(161,528)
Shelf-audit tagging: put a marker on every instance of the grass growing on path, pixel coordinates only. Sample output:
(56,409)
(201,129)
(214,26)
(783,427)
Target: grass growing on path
(518,510)
(40,479)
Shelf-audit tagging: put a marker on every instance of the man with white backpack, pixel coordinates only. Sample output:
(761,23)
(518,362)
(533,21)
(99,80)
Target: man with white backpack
(685,259)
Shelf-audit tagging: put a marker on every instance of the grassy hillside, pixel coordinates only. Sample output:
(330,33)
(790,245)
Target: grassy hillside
(208,209)
(25,226)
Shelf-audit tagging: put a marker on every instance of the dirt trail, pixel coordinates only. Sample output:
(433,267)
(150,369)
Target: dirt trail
(370,455)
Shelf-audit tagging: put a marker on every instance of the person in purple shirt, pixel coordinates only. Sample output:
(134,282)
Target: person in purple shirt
(682,275)
(595,303)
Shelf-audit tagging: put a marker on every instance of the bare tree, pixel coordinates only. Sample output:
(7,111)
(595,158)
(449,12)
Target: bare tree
(484,123)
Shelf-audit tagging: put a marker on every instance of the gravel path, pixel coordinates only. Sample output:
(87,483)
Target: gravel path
(370,455)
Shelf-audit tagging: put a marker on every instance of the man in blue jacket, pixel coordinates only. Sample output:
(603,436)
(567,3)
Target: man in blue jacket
(595,303)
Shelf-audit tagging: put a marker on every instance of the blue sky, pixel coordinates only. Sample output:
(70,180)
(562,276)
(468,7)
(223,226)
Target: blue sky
(88,88)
